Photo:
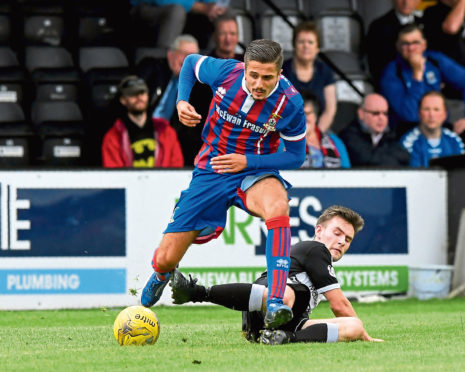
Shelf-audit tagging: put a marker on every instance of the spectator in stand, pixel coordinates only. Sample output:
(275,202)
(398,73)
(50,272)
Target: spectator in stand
(167,19)
(443,27)
(369,140)
(161,75)
(324,150)
(308,73)
(429,139)
(182,46)
(414,72)
(382,35)
(136,140)
(226,39)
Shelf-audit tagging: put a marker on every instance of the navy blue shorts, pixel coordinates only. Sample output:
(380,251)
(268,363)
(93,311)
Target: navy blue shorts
(204,204)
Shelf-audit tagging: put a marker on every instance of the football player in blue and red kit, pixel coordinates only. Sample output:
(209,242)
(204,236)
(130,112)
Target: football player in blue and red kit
(253,108)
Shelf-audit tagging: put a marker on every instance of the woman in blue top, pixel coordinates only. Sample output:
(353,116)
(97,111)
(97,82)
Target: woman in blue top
(307,73)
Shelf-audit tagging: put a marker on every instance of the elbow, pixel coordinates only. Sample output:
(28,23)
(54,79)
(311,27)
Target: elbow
(450,29)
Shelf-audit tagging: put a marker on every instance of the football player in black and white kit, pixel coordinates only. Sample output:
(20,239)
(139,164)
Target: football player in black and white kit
(311,274)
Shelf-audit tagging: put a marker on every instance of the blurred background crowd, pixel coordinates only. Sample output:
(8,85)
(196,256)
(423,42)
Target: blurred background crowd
(93,82)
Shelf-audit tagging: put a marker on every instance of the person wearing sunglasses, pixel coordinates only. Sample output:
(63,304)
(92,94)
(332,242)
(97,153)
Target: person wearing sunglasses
(369,140)
(414,72)
(136,139)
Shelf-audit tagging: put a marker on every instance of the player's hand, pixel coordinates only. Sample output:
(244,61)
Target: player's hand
(187,114)
(367,337)
(230,163)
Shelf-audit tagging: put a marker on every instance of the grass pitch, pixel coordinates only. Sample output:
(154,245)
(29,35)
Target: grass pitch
(419,336)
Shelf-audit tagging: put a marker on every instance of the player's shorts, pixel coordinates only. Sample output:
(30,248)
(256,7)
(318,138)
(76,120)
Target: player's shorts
(204,204)
(253,321)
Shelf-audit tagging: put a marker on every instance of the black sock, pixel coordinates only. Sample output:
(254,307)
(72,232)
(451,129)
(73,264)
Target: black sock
(199,294)
(314,333)
(235,296)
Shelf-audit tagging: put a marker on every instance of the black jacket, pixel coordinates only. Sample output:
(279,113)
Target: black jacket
(388,152)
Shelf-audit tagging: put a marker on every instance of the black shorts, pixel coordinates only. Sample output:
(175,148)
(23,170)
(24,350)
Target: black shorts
(253,321)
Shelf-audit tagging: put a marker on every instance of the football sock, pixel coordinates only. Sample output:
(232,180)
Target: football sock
(321,332)
(278,247)
(234,296)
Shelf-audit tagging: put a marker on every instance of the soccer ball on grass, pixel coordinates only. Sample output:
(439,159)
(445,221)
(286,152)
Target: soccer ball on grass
(136,325)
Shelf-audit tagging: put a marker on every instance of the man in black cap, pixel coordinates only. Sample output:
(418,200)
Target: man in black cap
(135,139)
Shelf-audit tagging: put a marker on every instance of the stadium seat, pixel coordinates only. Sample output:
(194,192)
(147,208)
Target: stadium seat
(102,23)
(102,58)
(12,77)
(53,73)
(14,152)
(57,92)
(347,62)
(5,29)
(102,68)
(42,23)
(313,8)
(272,26)
(145,52)
(44,30)
(242,10)
(57,118)
(345,92)
(369,10)
(61,151)
(340,29)
(15,136)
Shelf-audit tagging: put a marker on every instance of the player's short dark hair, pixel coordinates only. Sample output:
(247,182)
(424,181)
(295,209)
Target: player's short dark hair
(264,51)
(345,213)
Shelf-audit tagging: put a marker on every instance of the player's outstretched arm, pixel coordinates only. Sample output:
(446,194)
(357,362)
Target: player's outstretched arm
(341,307)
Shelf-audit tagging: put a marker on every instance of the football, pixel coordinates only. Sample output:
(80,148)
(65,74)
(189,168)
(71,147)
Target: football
(136,325)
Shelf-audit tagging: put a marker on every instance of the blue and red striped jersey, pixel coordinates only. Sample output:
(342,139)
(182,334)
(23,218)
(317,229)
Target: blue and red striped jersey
(236,123)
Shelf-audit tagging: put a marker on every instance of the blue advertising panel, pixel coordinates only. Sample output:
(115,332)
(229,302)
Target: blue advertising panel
(62,281)
(64,222)
(383,209)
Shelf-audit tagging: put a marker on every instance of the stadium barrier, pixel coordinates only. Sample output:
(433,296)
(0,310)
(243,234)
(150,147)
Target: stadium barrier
(74,239)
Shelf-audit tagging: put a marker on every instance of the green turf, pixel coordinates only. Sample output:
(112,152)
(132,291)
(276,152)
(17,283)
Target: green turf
(420,336)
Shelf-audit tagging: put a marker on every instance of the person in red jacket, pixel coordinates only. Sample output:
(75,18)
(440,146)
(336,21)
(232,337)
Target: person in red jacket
(135,139)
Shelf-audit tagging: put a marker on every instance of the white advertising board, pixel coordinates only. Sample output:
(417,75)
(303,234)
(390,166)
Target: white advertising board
(86,238)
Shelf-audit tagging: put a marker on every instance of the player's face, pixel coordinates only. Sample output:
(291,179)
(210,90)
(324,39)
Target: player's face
(336,234)
(261,78)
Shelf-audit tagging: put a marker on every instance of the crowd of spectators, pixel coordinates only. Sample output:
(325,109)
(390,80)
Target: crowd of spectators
(408,55)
